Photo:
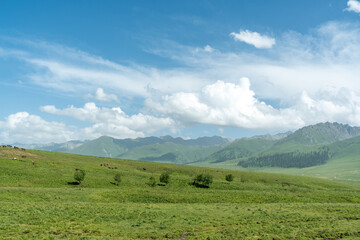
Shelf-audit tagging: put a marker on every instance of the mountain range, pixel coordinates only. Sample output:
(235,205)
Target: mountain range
(311,147)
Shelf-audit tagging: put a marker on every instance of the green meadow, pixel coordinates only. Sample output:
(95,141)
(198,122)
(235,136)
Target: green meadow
(42,201)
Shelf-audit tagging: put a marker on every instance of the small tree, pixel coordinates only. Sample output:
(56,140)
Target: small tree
(229,178)
(152,182)
(165,178)
(79,175)
(117,178)
(203,180)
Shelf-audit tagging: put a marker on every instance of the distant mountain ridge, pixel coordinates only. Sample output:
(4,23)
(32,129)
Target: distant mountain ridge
(166,148)
(323,133)
(302,144)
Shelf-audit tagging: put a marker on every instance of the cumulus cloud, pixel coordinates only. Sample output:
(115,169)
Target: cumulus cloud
(112,121)
(235,105)
(26,128)
(353,6)
(225,104)
(102,96)
(254,38)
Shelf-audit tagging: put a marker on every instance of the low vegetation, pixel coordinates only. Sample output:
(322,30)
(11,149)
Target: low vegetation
(38,203)
(229,178)
(203,180)
(117,178)
(165,178)
(79,175)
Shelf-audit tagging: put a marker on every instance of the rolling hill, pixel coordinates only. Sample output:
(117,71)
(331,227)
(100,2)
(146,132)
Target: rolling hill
(42,200)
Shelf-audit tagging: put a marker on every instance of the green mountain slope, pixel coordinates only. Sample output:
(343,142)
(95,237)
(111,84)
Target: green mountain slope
(41,201)
(101,147)
(241,148)
(343,165)
(165,149)
(314,136)
(170,152)
(341,142)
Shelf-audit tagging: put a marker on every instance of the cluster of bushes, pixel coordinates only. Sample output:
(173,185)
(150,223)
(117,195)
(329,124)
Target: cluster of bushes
(201,180)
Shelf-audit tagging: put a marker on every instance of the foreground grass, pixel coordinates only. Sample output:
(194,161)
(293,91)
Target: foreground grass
(37,202)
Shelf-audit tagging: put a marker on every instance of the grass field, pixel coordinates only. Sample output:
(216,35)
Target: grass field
(42,202)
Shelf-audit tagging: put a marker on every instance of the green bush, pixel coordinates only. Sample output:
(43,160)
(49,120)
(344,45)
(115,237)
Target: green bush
(229,178)
(152,182)
(202,180)
(165,178)
(79,175)
(117,178)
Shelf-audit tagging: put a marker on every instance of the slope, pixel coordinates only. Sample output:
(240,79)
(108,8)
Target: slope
(41,201)
(240,148)
(101,147)
(313,136)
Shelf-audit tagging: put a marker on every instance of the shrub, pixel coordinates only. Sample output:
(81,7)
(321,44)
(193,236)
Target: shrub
(117,178)
(165,178)
(229,178)
(152,182)
(202,180)
(79,175)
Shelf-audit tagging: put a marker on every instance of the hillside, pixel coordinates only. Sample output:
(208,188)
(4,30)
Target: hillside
(343,163)
(164,149)
(327,150)
(41,200)
(241,148)
(316,135)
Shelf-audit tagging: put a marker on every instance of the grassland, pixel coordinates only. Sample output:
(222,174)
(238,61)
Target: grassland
(41,202)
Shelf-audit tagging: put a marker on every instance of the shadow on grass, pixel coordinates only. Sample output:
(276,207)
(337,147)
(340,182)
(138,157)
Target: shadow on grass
(73,183)
(114,184)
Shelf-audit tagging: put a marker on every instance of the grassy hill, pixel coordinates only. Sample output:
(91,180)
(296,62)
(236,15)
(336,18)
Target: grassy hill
(41,201)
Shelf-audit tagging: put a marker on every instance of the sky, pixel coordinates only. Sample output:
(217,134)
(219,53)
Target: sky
(78,70)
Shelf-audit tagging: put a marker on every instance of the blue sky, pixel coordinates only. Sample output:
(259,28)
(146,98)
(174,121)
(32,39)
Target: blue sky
(83,69)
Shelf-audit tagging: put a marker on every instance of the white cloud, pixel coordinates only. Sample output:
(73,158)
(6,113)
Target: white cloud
(235,105)
(225,104)
(26,128)
(112,121)
(299,73)
(297,63)
(254,38)
(102,96)
(353,6)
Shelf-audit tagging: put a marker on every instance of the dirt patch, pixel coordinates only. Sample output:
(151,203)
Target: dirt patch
(19,154)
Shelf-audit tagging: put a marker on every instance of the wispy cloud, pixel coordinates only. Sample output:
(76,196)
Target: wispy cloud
(254,38)
(313,77)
